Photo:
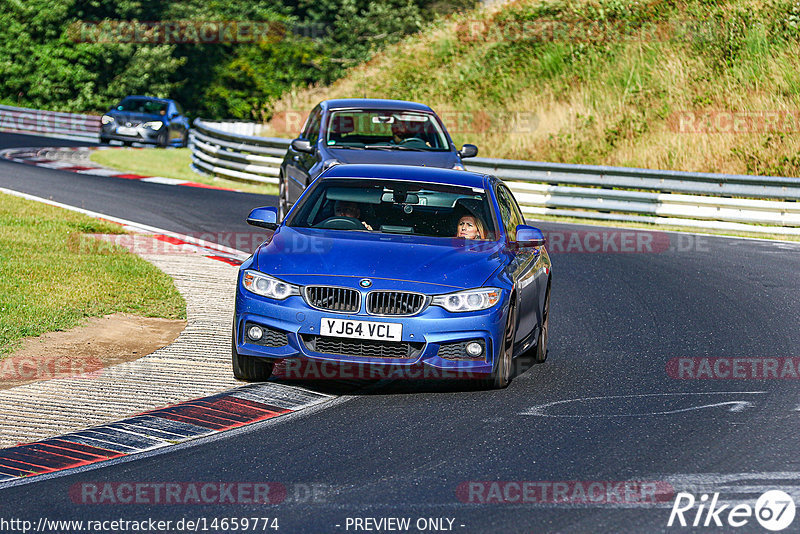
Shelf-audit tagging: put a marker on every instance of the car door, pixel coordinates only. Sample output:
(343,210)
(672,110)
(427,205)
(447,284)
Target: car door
(181,122)
(299,163)
(524,267)
(169,122)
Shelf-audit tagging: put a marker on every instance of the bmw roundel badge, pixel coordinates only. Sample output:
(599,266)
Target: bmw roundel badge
(365,282)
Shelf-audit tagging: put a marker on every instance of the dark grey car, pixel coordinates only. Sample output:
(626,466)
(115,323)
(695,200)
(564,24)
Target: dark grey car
(346,131)
(144,119)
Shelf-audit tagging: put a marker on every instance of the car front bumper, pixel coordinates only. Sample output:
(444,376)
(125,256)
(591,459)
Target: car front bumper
(137,134)
(425,333)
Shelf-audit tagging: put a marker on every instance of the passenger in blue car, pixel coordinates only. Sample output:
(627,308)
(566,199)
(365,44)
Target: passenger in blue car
(470,227)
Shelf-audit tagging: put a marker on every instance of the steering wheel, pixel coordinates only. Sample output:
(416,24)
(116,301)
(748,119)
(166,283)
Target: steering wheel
(340,223)
(413,140)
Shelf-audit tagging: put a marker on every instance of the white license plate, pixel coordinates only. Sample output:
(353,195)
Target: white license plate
(122,130)
(361,329)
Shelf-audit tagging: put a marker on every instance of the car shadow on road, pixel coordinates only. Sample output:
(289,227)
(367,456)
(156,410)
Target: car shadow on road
(349,379)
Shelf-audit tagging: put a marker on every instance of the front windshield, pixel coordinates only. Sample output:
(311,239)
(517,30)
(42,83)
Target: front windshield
(397,207)
(385,130)
(142,105)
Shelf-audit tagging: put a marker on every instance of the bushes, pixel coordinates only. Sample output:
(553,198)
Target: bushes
(43,66)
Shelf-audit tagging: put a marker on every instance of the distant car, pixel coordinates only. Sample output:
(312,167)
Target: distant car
(371,266)
(353,130)
(143,119)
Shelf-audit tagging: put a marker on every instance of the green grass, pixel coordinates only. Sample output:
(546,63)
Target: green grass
(169,163)
(52,278)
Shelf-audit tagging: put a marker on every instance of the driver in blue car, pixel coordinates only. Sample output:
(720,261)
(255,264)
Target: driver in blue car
(402,135)
(343,208)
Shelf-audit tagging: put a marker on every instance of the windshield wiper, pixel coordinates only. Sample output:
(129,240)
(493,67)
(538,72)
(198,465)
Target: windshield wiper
(379,147)
(401,147)
(395,147)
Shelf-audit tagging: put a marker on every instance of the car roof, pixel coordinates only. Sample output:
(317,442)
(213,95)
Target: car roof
(410,173)
(374,103)
(141,97)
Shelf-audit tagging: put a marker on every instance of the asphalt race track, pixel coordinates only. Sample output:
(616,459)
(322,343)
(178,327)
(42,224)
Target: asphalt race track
(617,400)
(196,212)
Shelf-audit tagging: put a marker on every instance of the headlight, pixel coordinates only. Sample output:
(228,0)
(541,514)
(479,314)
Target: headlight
(470,300)
(105,119)
(267,286)
(153,125)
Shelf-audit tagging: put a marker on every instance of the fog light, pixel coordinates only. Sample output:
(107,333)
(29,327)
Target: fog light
(474,349)
(255,333)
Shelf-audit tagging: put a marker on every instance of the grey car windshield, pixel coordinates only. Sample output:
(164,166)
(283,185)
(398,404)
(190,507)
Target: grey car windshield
(385,130)
(142,105)
(395,207)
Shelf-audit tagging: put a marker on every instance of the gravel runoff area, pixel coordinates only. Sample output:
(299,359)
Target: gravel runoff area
(196,364)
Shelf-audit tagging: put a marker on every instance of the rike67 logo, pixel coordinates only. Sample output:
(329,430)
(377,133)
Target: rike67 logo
(774,510)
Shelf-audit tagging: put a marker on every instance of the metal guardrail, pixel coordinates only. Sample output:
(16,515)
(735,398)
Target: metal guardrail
(765,204)
(49,123)
(246,158)
(238,127)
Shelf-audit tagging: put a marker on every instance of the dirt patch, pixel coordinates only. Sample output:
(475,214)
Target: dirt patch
(101,342)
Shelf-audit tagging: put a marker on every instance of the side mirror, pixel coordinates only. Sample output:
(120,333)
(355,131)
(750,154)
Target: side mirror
(264,218)
(468,151)
(302,145)
(528,236)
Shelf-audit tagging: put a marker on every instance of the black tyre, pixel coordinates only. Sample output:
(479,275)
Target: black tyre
(540,355)
(185,139)
(163,139)
(127,143)
(501,375)
(249,368)
(104,140)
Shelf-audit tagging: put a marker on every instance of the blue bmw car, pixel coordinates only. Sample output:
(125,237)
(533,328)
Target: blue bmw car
(389,265)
